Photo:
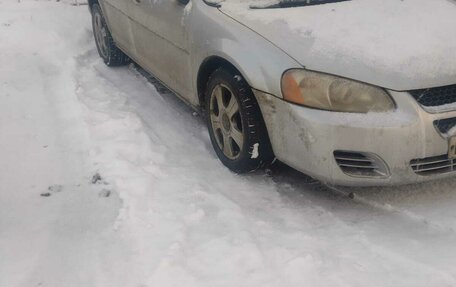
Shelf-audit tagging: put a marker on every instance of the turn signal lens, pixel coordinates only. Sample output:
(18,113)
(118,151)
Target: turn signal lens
(290,87)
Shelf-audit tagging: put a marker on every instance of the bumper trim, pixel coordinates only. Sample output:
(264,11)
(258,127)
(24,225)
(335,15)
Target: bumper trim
(433,165)
(360,164)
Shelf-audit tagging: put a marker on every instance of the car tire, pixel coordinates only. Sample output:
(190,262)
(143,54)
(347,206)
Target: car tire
(231,112)
(107,49)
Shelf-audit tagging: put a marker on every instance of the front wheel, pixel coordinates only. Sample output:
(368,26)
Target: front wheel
(235,123)
(107,49)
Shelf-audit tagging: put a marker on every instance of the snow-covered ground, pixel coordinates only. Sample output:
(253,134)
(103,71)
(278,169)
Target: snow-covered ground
(164,211)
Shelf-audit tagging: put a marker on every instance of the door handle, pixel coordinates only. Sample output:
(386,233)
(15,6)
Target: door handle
(136,1)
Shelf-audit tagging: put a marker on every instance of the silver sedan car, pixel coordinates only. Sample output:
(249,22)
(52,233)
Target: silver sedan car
(355,93)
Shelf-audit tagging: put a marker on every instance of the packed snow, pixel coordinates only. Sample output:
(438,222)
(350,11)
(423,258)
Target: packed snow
(106,179)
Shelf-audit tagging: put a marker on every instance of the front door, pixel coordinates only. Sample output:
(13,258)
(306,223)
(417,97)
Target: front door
(161,40)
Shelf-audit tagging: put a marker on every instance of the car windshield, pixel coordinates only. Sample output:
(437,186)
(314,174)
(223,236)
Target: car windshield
(265,4)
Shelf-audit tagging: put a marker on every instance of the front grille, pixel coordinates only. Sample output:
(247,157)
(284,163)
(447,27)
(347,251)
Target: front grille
(435,96)
(360,164)
(445,125)
(433,165)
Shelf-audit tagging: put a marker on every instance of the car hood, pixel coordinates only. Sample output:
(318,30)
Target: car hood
(395,44)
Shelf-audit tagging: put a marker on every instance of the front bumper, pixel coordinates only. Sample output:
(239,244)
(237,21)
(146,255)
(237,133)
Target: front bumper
(306,139)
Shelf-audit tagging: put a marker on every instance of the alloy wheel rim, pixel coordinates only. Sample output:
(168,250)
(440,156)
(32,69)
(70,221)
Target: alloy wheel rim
(101,35)
(226,121)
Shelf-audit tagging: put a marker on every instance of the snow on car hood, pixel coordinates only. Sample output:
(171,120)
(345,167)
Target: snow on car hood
(396,44)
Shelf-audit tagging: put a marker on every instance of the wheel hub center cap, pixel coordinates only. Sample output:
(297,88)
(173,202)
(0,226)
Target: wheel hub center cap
(226,122)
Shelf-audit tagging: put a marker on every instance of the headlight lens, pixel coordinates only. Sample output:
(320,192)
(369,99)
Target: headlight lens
(332,93)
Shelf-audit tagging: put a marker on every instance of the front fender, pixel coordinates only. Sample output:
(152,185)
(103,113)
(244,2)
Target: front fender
(213,33)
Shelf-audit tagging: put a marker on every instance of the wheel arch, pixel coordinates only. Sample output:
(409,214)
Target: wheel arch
(206,69)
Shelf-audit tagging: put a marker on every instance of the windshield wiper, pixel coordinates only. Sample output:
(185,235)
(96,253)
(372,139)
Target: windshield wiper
(296,3)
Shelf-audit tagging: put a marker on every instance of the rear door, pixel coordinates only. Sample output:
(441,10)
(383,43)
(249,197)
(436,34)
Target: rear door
(161,40)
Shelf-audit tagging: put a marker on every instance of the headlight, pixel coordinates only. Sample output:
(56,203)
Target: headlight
(332,93)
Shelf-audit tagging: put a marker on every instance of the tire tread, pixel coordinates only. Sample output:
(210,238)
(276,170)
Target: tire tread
(255,129)
(116,57)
